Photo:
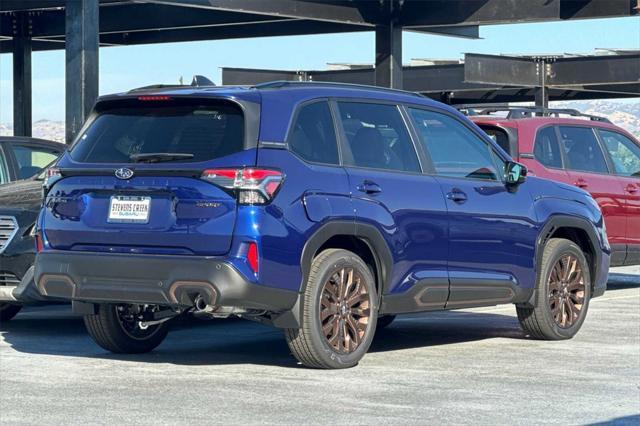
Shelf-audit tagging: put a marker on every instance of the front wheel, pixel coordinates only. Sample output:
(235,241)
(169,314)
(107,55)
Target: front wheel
(562,293)
(339,312)
(116,329)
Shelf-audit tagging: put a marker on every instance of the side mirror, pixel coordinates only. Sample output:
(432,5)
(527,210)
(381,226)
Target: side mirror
(515,173)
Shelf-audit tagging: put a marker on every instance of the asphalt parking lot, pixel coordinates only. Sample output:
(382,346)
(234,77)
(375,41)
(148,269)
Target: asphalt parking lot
(472,366)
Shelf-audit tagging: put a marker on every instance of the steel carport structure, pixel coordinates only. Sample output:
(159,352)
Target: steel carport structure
(81,26)
(489,78)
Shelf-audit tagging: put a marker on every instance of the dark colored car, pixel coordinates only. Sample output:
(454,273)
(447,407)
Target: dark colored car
(20,203)
(24,157)
(316,208)
(582,150)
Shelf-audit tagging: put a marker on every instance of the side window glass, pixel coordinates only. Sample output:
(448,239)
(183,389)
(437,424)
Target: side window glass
(624,153)
(32,159)
(547,149)
(582,150)
(378,137)
(454,149)
(313,135)
(4,173)
(499,136)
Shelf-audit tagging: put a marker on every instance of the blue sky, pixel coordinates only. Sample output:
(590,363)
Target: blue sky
(122,68)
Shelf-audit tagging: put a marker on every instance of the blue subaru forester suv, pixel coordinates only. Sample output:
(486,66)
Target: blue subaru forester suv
(322,209)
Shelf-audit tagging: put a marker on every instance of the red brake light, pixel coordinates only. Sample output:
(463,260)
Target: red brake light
(254,186)
(154,98)
(39,243)
(252,257)
(52,174)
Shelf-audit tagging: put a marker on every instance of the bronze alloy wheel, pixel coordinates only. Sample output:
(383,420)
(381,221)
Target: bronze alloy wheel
(566,291)
(345,309)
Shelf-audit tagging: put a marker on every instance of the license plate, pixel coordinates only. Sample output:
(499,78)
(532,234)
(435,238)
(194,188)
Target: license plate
(126,209)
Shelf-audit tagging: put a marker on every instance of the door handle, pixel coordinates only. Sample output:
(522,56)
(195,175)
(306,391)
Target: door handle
(581,183)
(457,196)
(631,189)
(369,187)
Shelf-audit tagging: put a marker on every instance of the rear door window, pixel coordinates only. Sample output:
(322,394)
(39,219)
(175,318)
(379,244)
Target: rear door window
(313,135)
(32,159)
(582,151)
(547,148)
(625,154)
(378,137)
(196,132)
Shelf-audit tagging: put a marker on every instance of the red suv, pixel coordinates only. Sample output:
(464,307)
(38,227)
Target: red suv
(582,150)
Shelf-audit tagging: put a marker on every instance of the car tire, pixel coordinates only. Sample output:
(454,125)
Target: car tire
(113,333)
(385,321)
(339,312)
(8,311)
(562,293)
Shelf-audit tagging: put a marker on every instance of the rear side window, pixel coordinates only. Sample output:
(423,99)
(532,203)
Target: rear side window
(499,136)
(32,159)
(201,132)
(313,135)
(582,150)
(378,137)
(4,173)
(547,148)
(625,154)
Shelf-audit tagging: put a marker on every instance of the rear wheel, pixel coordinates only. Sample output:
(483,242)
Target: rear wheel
(116,329)
(8,311)
(339,312)
(562,293)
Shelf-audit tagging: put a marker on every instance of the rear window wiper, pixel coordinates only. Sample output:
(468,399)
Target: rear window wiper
(157,157)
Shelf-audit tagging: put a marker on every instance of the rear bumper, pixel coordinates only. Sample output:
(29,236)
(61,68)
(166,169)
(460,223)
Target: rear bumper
(152,279)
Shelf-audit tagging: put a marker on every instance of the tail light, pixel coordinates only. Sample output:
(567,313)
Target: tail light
(252,257)
(51,176)
(253,186)
(38,241)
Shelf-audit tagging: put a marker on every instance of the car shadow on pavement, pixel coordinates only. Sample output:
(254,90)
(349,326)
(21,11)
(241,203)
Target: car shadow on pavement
(56,331)
(622,281)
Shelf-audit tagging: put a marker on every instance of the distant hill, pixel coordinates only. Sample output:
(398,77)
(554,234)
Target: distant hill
(45,129)
(625,114)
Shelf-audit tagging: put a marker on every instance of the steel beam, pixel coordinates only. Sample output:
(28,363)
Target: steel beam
(355,13)
(388,69)
(81,62)
(486,12)
(464,31)
(22,94)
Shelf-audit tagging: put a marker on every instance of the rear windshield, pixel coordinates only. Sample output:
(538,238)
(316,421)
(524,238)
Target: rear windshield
(123,135)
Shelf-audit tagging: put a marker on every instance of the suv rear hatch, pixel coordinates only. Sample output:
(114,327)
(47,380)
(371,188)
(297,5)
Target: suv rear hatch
(132,181)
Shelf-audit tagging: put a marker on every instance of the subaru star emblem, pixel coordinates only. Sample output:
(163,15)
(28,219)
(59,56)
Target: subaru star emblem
(124,174)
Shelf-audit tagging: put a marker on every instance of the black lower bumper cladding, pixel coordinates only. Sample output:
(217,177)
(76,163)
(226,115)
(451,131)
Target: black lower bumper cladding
(152,279)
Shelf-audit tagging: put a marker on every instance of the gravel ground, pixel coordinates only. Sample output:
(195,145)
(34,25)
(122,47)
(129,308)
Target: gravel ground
(466,367)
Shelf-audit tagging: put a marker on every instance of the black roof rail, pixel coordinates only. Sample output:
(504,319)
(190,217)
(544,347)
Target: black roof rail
(515,112)
(286,83)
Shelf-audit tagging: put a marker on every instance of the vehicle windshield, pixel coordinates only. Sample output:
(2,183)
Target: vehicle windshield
(164,131)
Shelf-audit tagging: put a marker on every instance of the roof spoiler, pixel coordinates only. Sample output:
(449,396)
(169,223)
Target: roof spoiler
(197,81)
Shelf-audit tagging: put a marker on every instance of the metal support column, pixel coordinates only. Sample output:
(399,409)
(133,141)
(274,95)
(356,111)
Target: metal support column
(22,96)
(389,53)
(543,70)
(82,38)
